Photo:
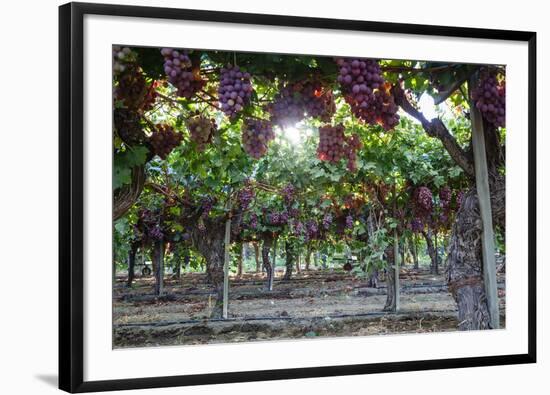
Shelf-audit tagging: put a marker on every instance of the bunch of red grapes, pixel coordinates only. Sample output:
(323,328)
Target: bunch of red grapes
(201,130)
(299,99)
(332,141)
(423,203)
(253,221)
(278,218)
(445,195)
(366,91)
(490,98)
(349,222)
(288,193)
(122,56)
(334,146)
(256,135)
(134,91)
(327,220)
(416,225)
(148,223)
(128,126)
(299,229)
(234,91)
(181,72)
(245,197)
(164,139)
(312,230)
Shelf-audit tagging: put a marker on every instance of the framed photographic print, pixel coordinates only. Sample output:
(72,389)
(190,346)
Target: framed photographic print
(253,197)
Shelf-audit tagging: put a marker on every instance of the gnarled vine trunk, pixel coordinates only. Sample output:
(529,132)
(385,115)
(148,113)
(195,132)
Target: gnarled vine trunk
(412,247)
(210,243)
(464,260)
(431,251)
(240,261)
(125,196)
(266,248)
(390,281)
(257,256)
(158,261)
(290,256)
(131,263)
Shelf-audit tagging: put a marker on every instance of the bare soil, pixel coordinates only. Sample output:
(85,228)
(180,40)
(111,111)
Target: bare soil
(312,304)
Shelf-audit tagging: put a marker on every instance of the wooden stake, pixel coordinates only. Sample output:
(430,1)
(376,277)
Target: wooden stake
(396,250)
(484,198)
(227,257)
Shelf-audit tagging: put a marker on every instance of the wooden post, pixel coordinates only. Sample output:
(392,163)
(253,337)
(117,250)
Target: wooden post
(227,257)
(396,262)
(396,250)
(274,256)
(484,198)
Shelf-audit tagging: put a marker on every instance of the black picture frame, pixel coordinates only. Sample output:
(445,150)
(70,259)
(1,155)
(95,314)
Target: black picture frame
(71,204)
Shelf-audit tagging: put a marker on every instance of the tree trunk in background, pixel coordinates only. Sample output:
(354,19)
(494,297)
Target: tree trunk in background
(373,280)
(240,261)
(274,259)
(158,261)
(414,252)
(210,243)
(431,250)
(390,281)
(402,252)
(257,256)
(186,260)
(266,249)
(299,263)
(308,257)
(436,267)
(289,259)
(131,264)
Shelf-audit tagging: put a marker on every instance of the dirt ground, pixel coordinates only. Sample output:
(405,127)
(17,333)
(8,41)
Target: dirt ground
(312,304)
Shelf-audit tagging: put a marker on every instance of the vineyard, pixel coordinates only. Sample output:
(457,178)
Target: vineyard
(263,196)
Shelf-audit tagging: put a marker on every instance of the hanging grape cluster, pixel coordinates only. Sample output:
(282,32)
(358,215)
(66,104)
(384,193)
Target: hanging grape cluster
(277,218)
(327,221)
(201,130)
(182,73)
(148,226)
(334,146)
(416,225)
(234,91)
(349,222)
(298,100)
(298,228)
(164,139)
(367,93)
(288,193)
(134,91)
(312,230)
(490,98)
(331,146)
(245,196)
(445,196)
(423,201)
(253,221)
(256,135)
(122,56)
(128,126)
